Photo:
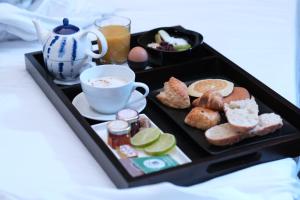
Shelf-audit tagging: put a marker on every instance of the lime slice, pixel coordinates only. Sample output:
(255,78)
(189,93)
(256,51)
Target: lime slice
(182,47)
(145,137)
(165,144)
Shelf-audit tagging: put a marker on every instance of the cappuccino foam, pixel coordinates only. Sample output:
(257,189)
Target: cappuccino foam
(106,82)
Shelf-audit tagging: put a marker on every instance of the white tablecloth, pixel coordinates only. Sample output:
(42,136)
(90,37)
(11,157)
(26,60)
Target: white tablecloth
(41,156)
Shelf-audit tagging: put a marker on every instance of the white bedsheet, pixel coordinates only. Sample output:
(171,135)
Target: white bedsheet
(41,156)
(16,23)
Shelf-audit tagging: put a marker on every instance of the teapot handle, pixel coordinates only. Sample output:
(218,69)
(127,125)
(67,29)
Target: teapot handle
(101,38)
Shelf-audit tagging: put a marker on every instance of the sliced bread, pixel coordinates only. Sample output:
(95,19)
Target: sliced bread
(223,135)
(267,123)
(242,114)
(226,134)
(198,88)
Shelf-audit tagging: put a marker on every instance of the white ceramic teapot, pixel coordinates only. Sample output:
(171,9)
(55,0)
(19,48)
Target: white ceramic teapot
(67,50)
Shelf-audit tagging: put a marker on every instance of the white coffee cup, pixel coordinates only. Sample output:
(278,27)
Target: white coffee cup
(109,100)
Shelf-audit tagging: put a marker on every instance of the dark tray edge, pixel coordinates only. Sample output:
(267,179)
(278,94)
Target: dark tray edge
(81,128)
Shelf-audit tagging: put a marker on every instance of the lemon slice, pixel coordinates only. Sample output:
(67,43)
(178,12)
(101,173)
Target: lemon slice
(165,144)
(145,137)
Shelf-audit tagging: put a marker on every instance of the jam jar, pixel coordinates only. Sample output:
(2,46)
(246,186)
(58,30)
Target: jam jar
(118,133)
(132,117)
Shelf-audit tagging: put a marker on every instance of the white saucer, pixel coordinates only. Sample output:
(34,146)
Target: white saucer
(60,82)
(85,110)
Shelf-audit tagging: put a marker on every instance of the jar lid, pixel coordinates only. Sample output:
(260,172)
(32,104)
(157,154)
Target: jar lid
(66,28)
(118,127)
(128,115)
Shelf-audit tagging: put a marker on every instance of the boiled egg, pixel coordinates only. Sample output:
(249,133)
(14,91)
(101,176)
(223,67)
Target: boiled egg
(138,58)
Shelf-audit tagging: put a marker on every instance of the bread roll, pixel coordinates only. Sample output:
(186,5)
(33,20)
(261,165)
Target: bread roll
(242,114)
(267,123)
(238,93)
(174,94)
(202,118)
(223,134)
(211,100)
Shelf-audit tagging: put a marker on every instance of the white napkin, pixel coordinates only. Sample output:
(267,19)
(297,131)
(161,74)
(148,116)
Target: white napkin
(275,180)
(16,22)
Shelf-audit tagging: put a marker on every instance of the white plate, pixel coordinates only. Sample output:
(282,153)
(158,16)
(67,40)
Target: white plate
(85,110)
(176,153)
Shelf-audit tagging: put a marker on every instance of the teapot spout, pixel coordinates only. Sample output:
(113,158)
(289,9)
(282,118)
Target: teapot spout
(42,33)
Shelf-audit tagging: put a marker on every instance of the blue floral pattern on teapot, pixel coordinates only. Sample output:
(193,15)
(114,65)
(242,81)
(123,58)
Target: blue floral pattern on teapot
(67,49)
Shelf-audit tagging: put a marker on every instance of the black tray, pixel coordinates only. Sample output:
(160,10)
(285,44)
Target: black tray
(219,70)
(204,165)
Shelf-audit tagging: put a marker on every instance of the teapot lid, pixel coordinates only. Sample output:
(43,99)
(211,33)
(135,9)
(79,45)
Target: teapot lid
(66,28)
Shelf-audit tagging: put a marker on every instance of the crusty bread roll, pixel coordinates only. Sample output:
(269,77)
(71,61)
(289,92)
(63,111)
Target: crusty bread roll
(211,100)
(198,88)
(223,134)
(226,134)
(202,118)
(267,123)
(238,93)
(242,114)
(174,94)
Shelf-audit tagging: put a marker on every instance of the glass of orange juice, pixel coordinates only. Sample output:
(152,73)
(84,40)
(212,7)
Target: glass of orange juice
(116,30)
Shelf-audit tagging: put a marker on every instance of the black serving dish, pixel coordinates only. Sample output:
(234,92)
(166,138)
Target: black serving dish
(204,165)
(286,133)
(160,57)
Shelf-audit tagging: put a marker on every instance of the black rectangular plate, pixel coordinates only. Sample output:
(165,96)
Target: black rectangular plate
(284,134)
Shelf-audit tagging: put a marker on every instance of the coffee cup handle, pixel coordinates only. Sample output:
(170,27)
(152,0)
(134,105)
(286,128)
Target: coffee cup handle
(101,38)
(142,85)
